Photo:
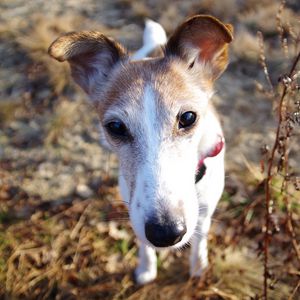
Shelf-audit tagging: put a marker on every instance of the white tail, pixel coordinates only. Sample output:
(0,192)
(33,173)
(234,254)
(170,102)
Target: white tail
(153,37)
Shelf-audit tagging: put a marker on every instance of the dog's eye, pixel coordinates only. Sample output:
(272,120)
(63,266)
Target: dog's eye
(117,129)
(187,119)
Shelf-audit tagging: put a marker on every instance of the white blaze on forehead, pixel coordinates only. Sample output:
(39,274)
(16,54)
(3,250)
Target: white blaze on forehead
(150,118)
(148,143)
(164,158)
(164,178)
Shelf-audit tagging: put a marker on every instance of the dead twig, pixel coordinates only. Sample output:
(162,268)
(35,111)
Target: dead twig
(270,166)
(262,60)
(294,291)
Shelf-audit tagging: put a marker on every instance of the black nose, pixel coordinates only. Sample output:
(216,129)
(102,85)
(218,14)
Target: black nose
(164,234)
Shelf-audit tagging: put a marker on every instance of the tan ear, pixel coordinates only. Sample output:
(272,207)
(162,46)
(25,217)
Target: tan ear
(202,39)
(91,55)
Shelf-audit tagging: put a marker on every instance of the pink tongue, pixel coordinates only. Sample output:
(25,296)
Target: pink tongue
(214,152)
(218,148)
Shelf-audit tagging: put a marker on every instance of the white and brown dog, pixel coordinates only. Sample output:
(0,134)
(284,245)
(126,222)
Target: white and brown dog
(156,115)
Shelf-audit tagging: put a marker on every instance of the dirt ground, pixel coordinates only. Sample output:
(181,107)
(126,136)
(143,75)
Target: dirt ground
(64,233)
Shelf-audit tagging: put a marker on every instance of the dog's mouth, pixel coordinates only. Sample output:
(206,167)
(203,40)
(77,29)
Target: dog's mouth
(201,167)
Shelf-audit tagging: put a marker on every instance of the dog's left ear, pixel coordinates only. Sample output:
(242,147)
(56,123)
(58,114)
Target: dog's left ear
(202,40)
(92,57)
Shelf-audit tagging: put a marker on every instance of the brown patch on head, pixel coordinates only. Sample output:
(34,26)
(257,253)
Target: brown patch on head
(93,56)
(169,79)
(126,86)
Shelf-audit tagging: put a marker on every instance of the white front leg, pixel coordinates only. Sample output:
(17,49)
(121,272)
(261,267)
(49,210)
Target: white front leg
(199,256)
(147,268)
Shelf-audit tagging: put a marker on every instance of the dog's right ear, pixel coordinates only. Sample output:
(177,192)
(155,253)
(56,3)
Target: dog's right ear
(91,55)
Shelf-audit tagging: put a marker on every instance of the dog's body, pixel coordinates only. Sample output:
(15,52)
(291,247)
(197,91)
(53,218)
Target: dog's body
(156,116)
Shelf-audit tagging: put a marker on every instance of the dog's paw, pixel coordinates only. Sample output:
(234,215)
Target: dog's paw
(198,266)
(143,276)
(196,272)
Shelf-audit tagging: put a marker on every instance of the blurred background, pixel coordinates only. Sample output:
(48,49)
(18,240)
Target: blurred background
(64,233)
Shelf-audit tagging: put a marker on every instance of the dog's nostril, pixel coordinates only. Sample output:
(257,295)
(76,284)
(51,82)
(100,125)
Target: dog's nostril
(166,234)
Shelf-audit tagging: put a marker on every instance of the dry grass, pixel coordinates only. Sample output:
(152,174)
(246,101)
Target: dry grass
(262,17)
(39,33)
(78,253)
(245,46)
(8,110)
(65,115)
(223,9)
(85,249)
(36,45)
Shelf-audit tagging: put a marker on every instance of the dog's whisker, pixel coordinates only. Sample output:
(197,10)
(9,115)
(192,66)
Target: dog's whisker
(184,247)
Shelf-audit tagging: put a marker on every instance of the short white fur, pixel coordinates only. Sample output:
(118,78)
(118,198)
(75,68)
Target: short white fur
(162,164)
(158,161)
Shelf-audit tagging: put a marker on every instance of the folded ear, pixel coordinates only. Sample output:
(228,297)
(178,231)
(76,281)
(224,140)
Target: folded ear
(202,40)
(91,55)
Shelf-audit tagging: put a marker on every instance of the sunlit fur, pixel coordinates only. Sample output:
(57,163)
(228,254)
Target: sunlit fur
(158,160)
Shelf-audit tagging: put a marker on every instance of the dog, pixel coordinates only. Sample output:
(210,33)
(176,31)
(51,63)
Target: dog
(156,115)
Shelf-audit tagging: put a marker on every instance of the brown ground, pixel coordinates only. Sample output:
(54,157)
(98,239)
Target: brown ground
(64,233)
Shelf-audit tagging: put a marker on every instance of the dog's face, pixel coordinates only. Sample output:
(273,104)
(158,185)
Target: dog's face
(151,114)
(152,120)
